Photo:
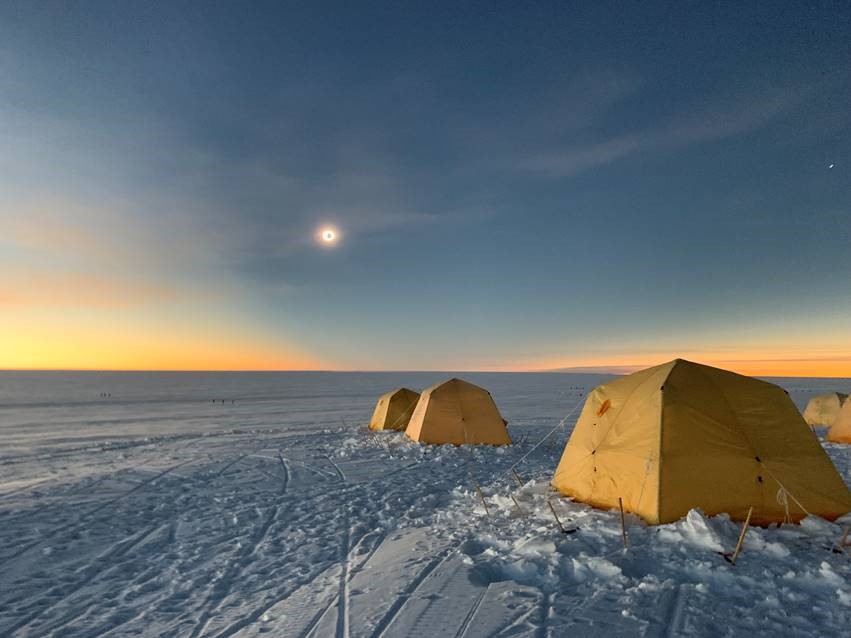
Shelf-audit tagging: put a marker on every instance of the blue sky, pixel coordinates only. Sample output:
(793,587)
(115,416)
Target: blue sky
(516,186)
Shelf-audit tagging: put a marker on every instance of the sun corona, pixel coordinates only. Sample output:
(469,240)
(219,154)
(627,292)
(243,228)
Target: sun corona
(327,236)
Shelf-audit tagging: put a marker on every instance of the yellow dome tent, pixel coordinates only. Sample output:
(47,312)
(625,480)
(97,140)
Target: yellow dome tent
(393,410)
(457,412)
(840,431)
(824,408)
(683,435)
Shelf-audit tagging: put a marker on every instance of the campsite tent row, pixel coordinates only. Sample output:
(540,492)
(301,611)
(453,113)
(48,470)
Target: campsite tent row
(832,410)
(666,440)
(454,411)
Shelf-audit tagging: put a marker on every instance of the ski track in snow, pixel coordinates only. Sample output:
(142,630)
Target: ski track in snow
(245,553)
(269,518)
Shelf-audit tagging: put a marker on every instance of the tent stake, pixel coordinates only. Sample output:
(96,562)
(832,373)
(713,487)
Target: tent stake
(517,477)
(519,509)
(742,537)
(623,525)
(482,496)
(553,510)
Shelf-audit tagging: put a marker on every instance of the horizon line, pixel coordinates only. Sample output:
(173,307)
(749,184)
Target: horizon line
(579,370)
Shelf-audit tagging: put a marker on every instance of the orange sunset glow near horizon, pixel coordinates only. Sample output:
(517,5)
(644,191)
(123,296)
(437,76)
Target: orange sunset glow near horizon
(187,350)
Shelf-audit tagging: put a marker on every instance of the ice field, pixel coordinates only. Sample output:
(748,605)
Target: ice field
(167,504)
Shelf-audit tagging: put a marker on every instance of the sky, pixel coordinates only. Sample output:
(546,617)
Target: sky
(515,186)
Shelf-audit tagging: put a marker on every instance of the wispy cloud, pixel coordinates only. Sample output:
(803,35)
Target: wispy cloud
(570,161)
(723,120)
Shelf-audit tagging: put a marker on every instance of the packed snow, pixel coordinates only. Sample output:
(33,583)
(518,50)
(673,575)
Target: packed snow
(258,504)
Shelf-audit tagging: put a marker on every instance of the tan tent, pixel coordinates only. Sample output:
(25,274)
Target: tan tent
(683,435)
(840,431)
(457,412)
(394,409)
(824,408)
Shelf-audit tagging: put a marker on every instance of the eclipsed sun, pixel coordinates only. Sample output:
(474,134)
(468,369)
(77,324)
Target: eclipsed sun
(328,236)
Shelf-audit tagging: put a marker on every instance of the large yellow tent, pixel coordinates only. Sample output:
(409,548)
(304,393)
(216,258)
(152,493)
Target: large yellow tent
(840,431)
(393,410)
(683,435)
(457,412)
(824,408)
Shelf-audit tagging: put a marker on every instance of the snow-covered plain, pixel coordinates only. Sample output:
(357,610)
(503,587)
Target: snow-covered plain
(155,511)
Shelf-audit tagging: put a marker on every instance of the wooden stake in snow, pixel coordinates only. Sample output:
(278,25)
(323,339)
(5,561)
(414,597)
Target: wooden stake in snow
(517,477)
(519,509)
(482,496)
(553,510)
(623,525)
(742,537)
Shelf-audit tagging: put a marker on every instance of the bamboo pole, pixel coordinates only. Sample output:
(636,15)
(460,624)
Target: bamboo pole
(623,525)
(553,510)
(482,496)
(742,537)
(517,477)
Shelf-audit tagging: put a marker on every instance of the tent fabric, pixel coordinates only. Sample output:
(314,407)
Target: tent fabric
(824,408)
(393,410)
(457,412)
(840,431)
(683,435)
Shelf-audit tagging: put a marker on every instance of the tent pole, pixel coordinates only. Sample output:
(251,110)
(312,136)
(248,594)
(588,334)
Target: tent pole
(623,525)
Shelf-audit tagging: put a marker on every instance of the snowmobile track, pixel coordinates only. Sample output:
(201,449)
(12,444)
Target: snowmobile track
(406,594)
(472,613)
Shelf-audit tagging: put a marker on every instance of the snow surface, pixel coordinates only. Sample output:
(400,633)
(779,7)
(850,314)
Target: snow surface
(154,511)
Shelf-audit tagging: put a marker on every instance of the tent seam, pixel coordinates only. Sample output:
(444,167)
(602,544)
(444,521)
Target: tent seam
(741,431)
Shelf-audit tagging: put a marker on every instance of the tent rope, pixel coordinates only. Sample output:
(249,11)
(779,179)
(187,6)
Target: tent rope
(783,499)
(785,491)
(549,434)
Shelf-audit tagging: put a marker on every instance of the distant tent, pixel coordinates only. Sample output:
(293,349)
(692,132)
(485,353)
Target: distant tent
(824,408)
(393,410)
(840,431)
(683,435)
(457,412)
